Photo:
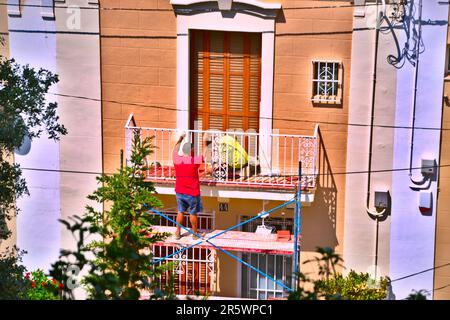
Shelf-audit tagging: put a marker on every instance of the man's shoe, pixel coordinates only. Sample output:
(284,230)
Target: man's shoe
(177,236)
(201,234)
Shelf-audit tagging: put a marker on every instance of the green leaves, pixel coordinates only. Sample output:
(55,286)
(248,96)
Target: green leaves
(40,287)
(23,104)
(12,283)
(122,264)
(24,112)
(354,286)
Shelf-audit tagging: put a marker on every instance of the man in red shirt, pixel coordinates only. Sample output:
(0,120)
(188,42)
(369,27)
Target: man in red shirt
(187,184)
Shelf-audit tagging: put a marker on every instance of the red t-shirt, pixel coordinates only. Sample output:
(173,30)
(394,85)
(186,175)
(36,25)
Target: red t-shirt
(186,173)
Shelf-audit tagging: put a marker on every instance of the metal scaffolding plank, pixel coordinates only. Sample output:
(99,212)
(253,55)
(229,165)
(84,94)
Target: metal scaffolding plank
(233,241)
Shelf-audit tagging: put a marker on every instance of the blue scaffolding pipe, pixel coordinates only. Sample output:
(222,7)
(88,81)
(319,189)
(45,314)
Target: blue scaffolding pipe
(218,247)
(297,229)
(216,235)
(297,223)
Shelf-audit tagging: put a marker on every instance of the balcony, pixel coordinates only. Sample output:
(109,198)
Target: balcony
(263,162)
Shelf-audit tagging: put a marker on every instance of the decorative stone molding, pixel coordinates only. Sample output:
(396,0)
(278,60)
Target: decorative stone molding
(255,3)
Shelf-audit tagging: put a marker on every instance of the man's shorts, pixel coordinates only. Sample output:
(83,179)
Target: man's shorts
(191,204)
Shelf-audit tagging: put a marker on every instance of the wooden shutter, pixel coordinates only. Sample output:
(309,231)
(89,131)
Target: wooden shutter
(225,80)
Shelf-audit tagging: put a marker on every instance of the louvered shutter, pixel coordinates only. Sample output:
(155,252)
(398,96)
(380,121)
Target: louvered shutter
(225,75)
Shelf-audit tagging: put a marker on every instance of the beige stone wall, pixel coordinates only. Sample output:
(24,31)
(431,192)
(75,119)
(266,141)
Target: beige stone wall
(136,72)
(442,254)
(293,86)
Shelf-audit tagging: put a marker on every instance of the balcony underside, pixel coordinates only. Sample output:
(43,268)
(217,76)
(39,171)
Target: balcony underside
(240,192)
(253,187)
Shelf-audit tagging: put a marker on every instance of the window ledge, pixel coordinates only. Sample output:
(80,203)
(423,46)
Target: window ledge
(326,99)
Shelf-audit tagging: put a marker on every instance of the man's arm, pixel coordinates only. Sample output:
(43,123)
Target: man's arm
(206,144)
(177,145)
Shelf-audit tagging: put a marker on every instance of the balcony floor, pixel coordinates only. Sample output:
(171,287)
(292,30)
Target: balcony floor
(232,241)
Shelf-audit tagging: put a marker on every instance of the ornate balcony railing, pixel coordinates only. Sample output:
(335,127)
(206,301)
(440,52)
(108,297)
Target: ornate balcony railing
(262,160)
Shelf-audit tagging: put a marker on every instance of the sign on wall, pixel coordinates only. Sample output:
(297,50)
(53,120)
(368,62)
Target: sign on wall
(223,207)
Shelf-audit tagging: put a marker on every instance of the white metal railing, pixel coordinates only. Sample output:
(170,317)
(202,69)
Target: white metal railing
(234,157)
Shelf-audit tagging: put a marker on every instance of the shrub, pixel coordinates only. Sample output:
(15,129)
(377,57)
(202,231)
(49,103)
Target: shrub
(40,287)
(354,286)
(334,286)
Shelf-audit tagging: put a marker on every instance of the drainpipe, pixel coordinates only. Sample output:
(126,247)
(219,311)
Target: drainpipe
(374,214)
(414,102)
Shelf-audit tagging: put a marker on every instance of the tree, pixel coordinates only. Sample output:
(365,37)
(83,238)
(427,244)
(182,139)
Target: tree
(417,295)
(119,262)
(24,114)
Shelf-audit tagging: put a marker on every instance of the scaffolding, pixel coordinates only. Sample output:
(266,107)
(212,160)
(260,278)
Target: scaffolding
(227,247)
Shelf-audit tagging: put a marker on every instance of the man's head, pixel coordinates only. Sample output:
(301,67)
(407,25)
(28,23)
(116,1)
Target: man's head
(186,149)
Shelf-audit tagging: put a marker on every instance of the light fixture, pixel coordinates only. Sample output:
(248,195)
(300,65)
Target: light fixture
(381,204)
(428,170)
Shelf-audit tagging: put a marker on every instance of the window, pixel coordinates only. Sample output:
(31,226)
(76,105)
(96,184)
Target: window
(255,285)
(326,82)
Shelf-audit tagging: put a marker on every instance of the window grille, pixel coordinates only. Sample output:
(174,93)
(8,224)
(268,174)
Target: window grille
(326,82)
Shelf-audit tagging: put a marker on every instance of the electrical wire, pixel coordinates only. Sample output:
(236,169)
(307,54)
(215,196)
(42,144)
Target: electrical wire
(246,116)
(173,37)
(277,176)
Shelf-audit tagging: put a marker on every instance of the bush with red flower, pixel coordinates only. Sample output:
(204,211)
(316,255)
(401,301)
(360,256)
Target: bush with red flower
(40,287)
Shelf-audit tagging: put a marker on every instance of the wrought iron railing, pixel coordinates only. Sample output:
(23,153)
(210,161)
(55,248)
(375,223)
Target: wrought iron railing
(234,157)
